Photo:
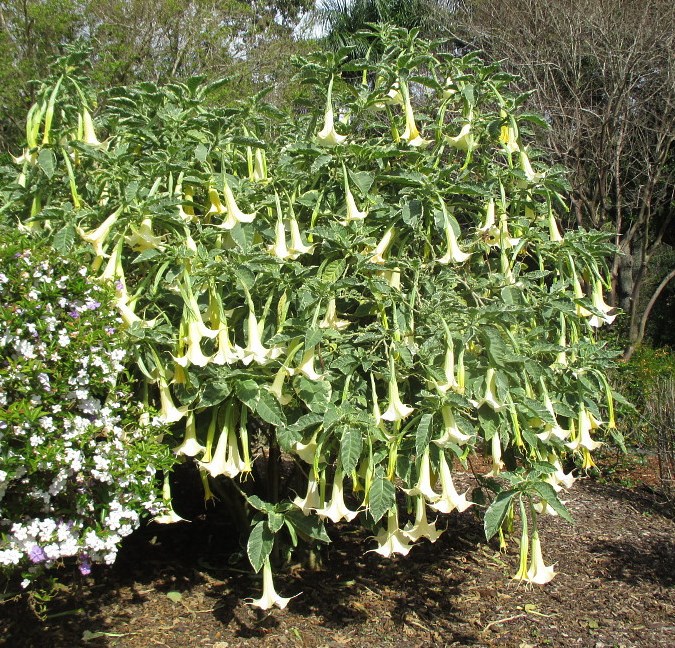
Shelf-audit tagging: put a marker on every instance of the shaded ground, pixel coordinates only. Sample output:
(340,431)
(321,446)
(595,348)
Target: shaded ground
(616,587)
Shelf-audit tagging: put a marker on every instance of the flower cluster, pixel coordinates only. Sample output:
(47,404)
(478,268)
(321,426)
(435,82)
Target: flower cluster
(77,471)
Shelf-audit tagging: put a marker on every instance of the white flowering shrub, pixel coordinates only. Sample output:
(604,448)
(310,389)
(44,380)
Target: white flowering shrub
(77,469)
(373,290)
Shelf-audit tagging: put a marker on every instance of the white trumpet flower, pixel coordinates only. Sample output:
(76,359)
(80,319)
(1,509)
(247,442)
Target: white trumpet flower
(353,213)
(337,509)
(226,459)
(307,451)
(190,446)
(490,396)
(451,433)
(312,500)
(392,540)
(600,305)
(254,350)
(298,246)
(538,573)
(269,596)
(464,140)
(377,255)
(584,440)
(396,411)
(144,238)
(89,133)
(450,499)
(328,136)
(454,254)
(277,387)
(331,320)
(411,134)
(526,167)
(508,135)
(98,236)
(421,528)
(170,517)
(424,487)
(306,366)
(227,352)
(194,354)
(497,463)
(169,413)
(279,248)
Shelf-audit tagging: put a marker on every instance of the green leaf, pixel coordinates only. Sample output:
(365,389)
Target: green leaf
(259,545)
(259,504)
(215,392)
(275,521)
(313,337)
(548,494)
(174,596)
(63,239)
(423,434)
(381,497)
(496,513)
(287,437)
(363,180)
(269,410)
(47,162)
(351,445)
(248,392)
(314,394)
(496,348)
(311,526)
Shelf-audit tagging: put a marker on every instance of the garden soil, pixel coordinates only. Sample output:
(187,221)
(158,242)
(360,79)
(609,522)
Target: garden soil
(184,586)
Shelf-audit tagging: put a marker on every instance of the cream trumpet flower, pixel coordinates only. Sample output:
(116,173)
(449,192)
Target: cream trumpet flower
(448,370)
(306,366)
(277,386)
(190,447)
(269,596)
(393,277)
(424,487)
(448,90)
(234,215)
(497,463)
(551,429)
(278,248)
(508,135)
(396,411)
(394,96)
(328,136)
(554,234)
(194,354)
(307,451)
(353,213)
(490,396)
(421,528)
(377,255)
(599,304)
(89,133)
(526,167)
(579,294)
(185,212)
(98,236)
(227,352)
(226,459)
(489,224)
(298,246)
(454,254)
(464,140)
(331,320)
(170,517)
(559,479)
(451,433)
(312,500)
(450,499)
(411,135)
(538,573)
(392,540)
(144,238)
(583,439)
(254,350)
(337,509)
(168,412)
(25,157)
(259,166)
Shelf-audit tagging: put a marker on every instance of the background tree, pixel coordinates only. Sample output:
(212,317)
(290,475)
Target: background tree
(603,74)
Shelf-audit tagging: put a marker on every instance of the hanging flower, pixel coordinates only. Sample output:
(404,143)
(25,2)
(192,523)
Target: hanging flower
(396,411)
(98,236)
(453,254)
(328,136)
(337,509)
(421,528)
(600,305)
(377,255)
(450,499)
(169,413)
(411,135)
(353,213)
(254,350)
(538,572)
(424,487)
(331,320)
(451,433)
(269,596)
(226,458)
(190,447)
(170,517)
(312,500)
(464,140)
(392,540)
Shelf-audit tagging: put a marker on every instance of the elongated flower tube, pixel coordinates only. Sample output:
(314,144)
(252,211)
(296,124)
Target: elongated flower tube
(553,232)
(169,413)
(186,212)
(259,166)
(496,452)
(464,140)
(508,134)
(297,246)
(226,458)
(234,215)
(269,597)
(278,248)
(227,352)
(394,96)
(312,500)
(559,479)
(450,499)
(377,255)
(144,238)
(538,573)
(451,433)
(331,319)
(584,439)
(453,254)
(193,354)
(328,136)
(392,540)
(521,574)
(551,429)
(337,509)
(489,224)
(190,446)
(277,387)
(353,213)
(490,396)
(411,135)
(421,528)
(448,363)
(307,451)
(424,487)
(170,517)
(306,366)
(526,167)
(89,133)
(599,304)
(396,411)
(449,90)
(254,350)
(98,236)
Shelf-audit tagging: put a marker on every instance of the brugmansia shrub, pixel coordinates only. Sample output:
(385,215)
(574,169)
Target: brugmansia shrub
(372,290)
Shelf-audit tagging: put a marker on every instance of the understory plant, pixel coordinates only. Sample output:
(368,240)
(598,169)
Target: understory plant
(366,292)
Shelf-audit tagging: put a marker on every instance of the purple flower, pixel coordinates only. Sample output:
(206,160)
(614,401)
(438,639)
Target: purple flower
(85,565)
(74,314)
(92,304)
(37,554)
